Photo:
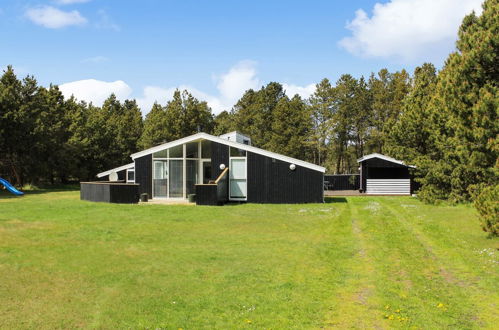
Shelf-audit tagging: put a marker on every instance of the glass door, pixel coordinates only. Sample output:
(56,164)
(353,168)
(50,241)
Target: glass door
(176,178)
(160,178)
(237,179)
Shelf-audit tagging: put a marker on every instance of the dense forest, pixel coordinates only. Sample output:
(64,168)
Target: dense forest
(445,123)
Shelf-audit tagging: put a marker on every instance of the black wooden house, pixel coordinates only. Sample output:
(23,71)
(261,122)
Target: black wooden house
(217,170)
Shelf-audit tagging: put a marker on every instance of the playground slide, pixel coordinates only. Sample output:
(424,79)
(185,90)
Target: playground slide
(10,187)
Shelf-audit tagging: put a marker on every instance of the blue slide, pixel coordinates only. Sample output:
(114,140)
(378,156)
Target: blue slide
(11,187)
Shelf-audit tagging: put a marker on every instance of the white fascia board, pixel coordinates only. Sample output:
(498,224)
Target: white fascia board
(234,144)
(388,159)
(117,169)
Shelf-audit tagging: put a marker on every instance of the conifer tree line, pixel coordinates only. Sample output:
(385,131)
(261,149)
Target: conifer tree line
(443,122)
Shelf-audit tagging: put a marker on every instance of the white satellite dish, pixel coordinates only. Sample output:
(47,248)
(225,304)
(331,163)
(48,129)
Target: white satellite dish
(113,176)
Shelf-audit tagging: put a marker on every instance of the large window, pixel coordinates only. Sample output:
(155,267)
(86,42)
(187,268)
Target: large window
(192,150)
(235,152)
(177,152)
(177,170)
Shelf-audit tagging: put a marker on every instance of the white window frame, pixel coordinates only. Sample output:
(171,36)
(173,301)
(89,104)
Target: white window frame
(245,174)
(127,171)
(184,159)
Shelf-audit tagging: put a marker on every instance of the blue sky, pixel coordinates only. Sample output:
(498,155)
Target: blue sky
(217,49)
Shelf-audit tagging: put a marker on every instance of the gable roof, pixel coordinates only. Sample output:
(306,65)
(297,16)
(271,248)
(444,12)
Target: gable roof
(205,136)
(380,156)
(117,169)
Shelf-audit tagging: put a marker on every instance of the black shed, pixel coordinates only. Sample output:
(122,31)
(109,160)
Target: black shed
(383,175)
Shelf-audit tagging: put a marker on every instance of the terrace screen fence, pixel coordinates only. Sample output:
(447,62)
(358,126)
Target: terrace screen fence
(341,182)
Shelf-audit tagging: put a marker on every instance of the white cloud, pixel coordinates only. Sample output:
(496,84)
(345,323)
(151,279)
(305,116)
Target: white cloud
(408,29)
(96,91)
(303,91)
(54,18)
(230,86)
(70,2)
(106,22)
(239,79)
(95,59)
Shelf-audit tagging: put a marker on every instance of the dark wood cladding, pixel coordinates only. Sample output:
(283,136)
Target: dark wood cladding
(143,174)
(223,188)
(206,194)
(271,181)
(213,194)
(219,155)
(109,192)
(377,162)
(342,182)
(363,176)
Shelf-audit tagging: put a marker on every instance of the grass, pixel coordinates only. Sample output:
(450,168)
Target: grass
(357,262)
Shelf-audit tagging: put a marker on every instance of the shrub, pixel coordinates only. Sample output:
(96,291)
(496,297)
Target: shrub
(487,204)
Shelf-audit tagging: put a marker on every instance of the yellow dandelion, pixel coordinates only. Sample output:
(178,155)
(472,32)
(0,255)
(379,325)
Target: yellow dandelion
(440,305)
(397,311)
(248,321)
(391,317)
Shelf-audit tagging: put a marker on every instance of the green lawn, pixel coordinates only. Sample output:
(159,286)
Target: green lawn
(356,262)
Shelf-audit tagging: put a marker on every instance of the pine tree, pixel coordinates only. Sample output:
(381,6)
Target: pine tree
(224,123)
(291,123)
(254,113)
(387,91)
(467,95)
(410,136)
(155,128)
(322,110)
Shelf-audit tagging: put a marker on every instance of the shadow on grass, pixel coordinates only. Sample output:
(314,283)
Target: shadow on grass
(329,200)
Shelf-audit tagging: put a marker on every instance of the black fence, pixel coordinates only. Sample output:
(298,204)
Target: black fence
(110,192)
(215,193)
(342,182)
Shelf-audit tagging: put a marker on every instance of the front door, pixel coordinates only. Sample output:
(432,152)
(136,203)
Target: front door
(237,179)
(160,178)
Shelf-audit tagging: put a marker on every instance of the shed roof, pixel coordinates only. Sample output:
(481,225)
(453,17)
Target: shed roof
(380,156)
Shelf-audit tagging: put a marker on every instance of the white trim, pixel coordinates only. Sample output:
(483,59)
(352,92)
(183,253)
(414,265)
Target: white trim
(126,179)
(380,156)
(117,169)
(245,158)
(184,171)
(231,144)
